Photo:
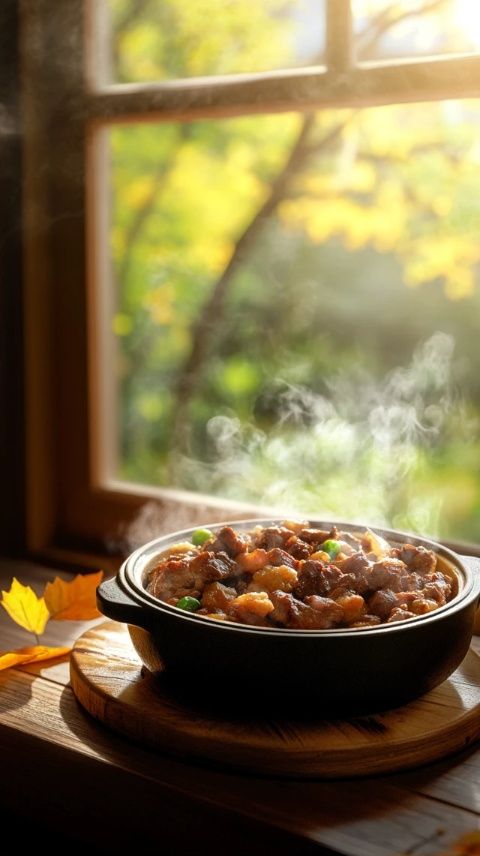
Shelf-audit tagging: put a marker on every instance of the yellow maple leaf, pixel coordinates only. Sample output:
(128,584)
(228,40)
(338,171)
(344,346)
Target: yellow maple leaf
(32,654)
(26,609)
(74,600)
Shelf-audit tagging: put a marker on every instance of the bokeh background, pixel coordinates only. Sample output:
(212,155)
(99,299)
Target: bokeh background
(296,297)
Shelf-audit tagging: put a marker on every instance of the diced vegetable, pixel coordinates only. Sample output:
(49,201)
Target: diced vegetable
(321,556)
(378,546)
(200,536)
(189,604)
(257,603)
(280,578)
(251,562)
(332,547)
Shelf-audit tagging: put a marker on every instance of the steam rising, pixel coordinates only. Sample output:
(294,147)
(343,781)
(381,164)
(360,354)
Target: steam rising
(355,453)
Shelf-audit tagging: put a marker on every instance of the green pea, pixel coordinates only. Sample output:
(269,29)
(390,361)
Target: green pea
(331,547)
(200,536)
(190,604)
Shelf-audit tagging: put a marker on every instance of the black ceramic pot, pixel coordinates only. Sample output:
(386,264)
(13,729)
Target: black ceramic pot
(321,672)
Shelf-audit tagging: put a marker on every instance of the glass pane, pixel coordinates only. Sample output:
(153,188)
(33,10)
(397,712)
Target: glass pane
(302,329)
(385,30)
(156,40)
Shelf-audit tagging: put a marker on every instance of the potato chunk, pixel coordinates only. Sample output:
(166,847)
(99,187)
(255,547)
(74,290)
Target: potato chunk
(422,605)
(251,562)
(255,602)
(353,606)
(280,578)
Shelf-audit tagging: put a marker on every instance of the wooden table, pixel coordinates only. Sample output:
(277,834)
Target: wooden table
(65,771)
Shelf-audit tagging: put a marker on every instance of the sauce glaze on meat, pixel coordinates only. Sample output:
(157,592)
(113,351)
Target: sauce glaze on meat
(294,576)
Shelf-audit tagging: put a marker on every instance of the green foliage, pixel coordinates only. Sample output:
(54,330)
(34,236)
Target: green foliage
(181,38)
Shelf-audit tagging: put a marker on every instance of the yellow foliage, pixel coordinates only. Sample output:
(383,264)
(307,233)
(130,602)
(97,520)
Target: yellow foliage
(441,205)
(382,223)
(213,217)
(74,600)
(32,654)
(360,177)
(449,257)
(136,193)
(137,50)
(26,609)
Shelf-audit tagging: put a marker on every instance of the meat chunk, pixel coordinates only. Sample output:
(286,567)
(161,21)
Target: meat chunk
(438,588)
(281,557)
(359,566)
(209,566)
(273,536)
(316,578)
(416,558)
(282,607)
(172,579)
(297,548)
(317,613)
(346,583)
(391,574)
(217,597)
(229,542)
(315,536)
(382,602)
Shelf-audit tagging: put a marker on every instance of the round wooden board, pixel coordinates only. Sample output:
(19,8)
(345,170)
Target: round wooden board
(107,680)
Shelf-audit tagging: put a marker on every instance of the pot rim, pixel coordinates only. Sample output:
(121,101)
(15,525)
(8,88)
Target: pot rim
(133,570)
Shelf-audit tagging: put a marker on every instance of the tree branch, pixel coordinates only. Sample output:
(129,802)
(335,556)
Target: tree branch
(384,21)
(211,315)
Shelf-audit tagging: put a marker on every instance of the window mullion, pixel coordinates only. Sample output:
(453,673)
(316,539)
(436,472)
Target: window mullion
(339,40)
(370,84)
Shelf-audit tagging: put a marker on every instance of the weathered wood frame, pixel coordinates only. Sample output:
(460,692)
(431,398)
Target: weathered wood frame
(67,104)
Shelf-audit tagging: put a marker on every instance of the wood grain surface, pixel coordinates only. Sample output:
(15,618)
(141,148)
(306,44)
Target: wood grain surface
(107,678)
(75,774)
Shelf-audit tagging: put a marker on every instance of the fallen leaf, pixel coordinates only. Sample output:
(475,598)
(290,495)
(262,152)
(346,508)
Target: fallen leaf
(23,605)
(74,600)
(30,655)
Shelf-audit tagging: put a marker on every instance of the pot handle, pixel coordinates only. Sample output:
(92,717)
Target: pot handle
(473,563)
(115,603)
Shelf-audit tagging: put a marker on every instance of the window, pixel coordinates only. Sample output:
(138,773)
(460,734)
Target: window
(114,112)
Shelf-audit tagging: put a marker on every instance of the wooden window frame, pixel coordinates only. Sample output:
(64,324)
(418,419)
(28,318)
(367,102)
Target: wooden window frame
(12,463)
(66,103)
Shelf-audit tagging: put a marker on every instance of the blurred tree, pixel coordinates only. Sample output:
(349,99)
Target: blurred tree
(193,202)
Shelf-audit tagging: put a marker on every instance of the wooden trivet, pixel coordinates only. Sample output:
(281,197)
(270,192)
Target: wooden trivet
(107,679)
